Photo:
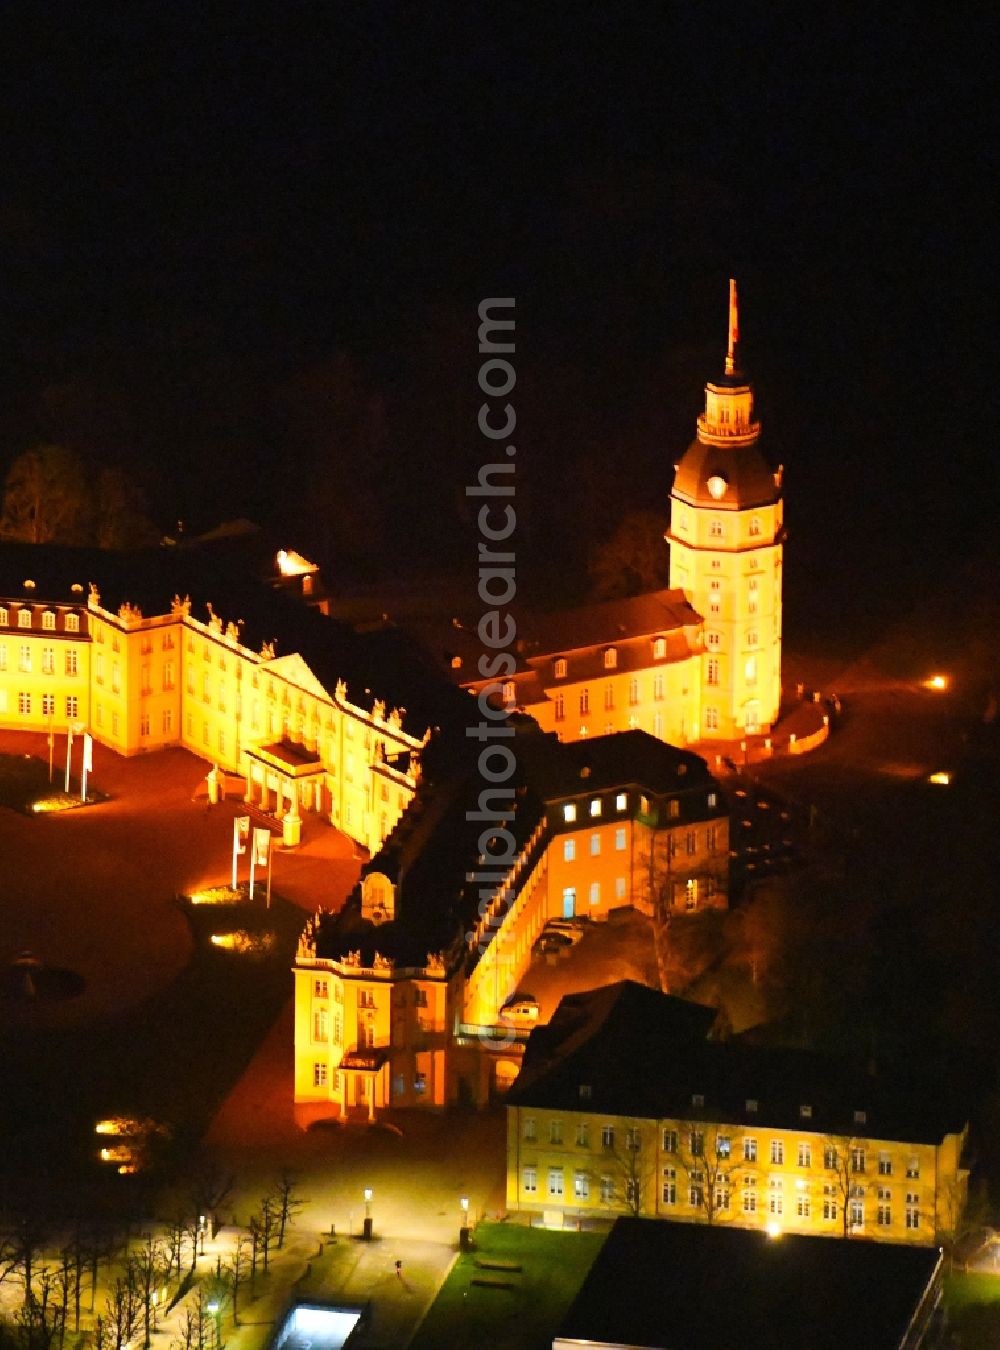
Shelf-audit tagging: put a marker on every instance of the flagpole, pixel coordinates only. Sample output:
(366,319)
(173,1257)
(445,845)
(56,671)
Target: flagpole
(52,745)
(69,751)
(236,833)
(253,859)
(270,844)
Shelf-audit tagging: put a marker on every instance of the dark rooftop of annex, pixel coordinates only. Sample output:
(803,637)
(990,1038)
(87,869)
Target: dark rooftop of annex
(671,1286)
(648,1055)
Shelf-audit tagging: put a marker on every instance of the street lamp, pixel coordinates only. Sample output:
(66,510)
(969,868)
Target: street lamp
(215,1308)
(464,1233)
(367,1233)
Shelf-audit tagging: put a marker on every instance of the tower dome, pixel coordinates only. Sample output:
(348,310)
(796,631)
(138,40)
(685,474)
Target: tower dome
(723,467)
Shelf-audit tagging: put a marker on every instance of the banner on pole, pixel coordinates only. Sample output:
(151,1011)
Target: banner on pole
(242,827)
(88,753)
(261,846)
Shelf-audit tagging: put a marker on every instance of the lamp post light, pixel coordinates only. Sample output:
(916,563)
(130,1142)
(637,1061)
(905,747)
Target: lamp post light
(465,1232)
(201,1235)
(367,1231)
(215,1308)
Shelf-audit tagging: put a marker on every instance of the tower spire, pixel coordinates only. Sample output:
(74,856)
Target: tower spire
(734,328)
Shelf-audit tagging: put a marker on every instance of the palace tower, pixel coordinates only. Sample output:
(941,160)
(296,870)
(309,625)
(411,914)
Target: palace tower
(725,541)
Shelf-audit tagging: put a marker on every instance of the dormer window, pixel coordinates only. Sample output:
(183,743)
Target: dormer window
(751,1105)
(559,668)
(3,614)
(805,1112)
(861,1117)
(72,623)
(595,806)
(697,1099)
(611,658)
(456,663)
(659,649)
(585,1092)
(48,620)
(508,692)
(569,812)
(24,618)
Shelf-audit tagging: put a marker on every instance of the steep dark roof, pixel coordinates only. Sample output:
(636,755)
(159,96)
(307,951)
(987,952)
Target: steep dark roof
(641,1058)
(751,482)
(607,622)
(695,1287)
(558,769)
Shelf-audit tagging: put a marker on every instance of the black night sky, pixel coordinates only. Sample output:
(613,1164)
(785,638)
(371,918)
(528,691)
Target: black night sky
(242,248)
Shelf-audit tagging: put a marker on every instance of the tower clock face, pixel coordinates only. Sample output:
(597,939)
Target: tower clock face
(717,486)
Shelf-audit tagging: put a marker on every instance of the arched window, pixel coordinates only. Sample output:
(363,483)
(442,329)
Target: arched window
(611,658)
(659,648)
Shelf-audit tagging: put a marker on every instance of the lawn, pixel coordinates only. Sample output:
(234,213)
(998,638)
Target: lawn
(525,1317)
(24,785)
(973,1304)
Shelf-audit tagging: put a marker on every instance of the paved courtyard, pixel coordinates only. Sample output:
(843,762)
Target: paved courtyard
(93,889)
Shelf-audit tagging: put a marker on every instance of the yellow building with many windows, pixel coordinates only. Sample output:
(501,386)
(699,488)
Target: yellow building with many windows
(700,661)
(625,1106)
(315,717)
(400,997)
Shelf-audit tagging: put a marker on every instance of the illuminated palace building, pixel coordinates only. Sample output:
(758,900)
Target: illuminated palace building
(702,660)
(316,717)
(626,1105)
(399,996)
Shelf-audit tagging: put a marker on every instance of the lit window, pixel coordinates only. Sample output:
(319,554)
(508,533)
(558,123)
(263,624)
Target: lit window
(556,1182)
(607,1190)
(668,1191)
(48,620)
(569,812)
(659,649)
(3,614)
(750,1195)
(530,1184)
(569,901)
(48,660)
(24,618)
(581,1186)
(595,806)
(24,658)
(610,658)
(775,1196)
(621,801)
(560,669)
(319,1075)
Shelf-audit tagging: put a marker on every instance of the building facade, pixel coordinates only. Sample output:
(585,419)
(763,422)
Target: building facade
(613,1127)
(400,998)
(700,661)
(144,676)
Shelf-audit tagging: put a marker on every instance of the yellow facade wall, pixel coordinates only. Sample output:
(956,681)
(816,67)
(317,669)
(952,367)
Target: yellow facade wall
(775,1179)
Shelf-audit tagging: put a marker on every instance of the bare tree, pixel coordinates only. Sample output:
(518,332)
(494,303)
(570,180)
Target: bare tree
(211,1186)
(123,1309)
(149,1266)
(45,497)
(288,1203)
(236,1273)
(176,1235)
(268,1225)
(632,1163)
(704,1154)
(845,1160)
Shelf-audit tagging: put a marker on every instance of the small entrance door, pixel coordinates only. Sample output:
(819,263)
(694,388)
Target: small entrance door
(569,902)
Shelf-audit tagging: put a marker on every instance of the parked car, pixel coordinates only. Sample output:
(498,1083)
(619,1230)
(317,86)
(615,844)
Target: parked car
(522,1010)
